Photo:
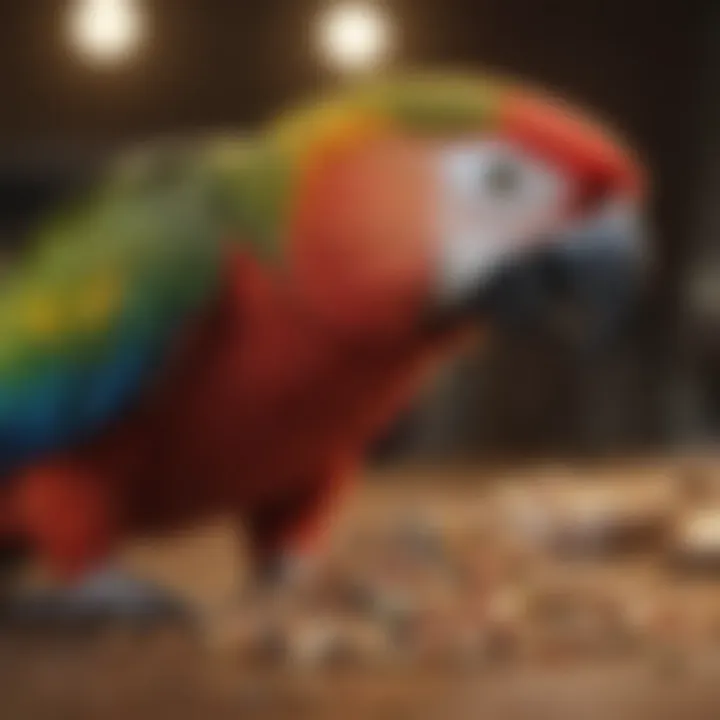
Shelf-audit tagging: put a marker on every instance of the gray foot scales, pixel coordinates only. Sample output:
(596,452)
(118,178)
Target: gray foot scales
(106,596)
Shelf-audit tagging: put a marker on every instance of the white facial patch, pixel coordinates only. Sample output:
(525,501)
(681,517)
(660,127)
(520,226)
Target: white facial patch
(496,201)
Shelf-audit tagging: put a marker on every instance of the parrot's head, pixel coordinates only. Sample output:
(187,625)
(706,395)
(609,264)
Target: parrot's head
(428,202)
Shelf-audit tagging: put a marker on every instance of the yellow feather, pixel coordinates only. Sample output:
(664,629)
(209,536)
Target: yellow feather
(98,303)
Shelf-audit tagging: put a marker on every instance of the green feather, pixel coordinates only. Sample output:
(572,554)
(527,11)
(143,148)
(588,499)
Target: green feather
(157,226)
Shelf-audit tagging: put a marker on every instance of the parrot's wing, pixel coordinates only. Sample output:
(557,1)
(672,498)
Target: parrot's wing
(89,314)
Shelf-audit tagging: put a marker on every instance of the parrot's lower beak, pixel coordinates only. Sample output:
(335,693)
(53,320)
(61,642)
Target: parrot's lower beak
(581,284)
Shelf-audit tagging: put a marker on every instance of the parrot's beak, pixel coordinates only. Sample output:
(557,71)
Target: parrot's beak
(581,284)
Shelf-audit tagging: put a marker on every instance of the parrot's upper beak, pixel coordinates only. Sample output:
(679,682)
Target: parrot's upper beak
(581,284)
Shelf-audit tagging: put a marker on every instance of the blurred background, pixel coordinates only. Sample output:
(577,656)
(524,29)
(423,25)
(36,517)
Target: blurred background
(83,78)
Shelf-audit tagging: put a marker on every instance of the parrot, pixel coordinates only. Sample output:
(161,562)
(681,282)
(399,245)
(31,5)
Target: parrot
(224,324)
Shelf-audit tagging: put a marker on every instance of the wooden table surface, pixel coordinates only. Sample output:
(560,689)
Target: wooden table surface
(113,675)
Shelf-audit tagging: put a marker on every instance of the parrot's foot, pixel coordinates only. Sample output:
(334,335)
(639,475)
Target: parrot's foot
(109,596)
(255,618)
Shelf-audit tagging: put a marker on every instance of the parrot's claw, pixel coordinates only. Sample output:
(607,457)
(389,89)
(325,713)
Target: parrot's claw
(108,596)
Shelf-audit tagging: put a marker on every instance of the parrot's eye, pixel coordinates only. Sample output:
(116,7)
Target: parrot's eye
(499,185)
(502,178)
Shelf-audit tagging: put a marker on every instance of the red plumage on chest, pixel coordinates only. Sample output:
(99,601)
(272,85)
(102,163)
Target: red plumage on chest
(269,398)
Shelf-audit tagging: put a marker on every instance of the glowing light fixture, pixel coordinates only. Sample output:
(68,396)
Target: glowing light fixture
(106,31)
(354,37)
